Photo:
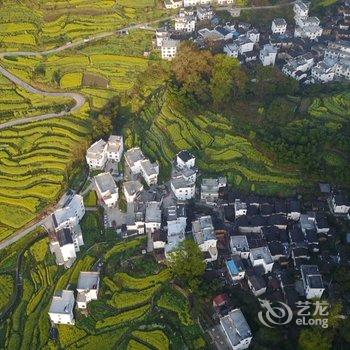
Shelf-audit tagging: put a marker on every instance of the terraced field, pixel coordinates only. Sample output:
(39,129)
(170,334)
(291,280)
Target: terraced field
(33,24)
(33,167)
(35,158)
(213,139)
(67,71)
(16,103)
(127,324)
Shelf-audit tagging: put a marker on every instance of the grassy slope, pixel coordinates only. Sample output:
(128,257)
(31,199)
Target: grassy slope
(106,326)
(215,141)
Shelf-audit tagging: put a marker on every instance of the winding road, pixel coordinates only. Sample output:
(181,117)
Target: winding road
(77,97)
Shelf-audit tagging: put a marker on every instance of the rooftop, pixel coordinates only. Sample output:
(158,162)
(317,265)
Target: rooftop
(153,212)
(235,326)
(133,156)
(114,143)
(96,149)
(132,187)
(64,236)
(105,183)
(311,276)
(240,243)
(63,302)
(235,265)
(203,229)
(261,253)
(88,280)
(185,156)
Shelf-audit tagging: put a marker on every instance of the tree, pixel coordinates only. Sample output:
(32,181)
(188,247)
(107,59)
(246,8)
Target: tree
(314,339)
(192,70)
(228,80)
(101,126)
(187,264)
(40,69)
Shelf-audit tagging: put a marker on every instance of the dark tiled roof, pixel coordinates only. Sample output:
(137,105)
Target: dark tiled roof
(64,237)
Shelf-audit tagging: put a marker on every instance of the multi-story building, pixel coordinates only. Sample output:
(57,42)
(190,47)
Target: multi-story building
(100,151)
(279,26)
(261,257)
(62,306)
(140,165)
(268,55)
(70,215)
(153,217)
(106,189)
(236,330)
(88,287)
(169,49)
(312,281)
(204,235)
(185,21)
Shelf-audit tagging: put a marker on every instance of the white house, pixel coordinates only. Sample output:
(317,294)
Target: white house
(185,159)
(323,72)
(61,309)
(312,281)
(236,329)
(65,243)
(256,284)
(140,165)
(240,208)
(182,189)
(106,189)
(185,21)
(88,287)
(301,9)
(169,49)
(96,156)
(301,64)
(225,2)
(172,4)
(231,50)
(204,235)
(70,215)
(184,176)
(205,12)
(261,257)
(307,21)
(342,68)
(176,225)
(340,204)
(210,189)
(268,55)
(279,26)
(131,190)
(244,44)
(311,32)
(188,3)
(135,219)
(235,268)
(100,151)
(253,35)
(239,245)
(153,218)
(115,148)
(162,35)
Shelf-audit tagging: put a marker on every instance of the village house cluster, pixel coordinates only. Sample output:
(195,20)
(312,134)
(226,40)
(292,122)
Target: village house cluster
(269,247)
(306,50)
